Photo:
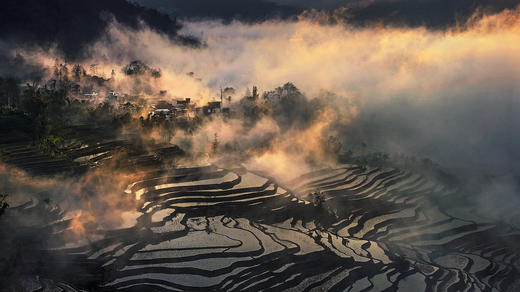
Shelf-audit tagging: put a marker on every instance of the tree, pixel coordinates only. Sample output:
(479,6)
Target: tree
(215,144)
(137,67)
(36,107)
(78,72)
(318,198)
(229,90)
(93,69)
(3,204)
(9,91)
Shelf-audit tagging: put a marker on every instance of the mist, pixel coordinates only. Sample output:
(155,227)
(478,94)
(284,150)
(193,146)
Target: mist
(447,95)
(323,87)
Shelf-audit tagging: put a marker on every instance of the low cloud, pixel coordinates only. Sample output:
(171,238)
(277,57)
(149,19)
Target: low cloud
(447,95)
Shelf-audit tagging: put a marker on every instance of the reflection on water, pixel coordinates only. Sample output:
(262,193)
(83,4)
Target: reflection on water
(219,229)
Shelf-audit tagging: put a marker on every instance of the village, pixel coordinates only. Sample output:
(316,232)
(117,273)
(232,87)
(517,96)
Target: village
(185,109)
(160,108)
(93,90)
(73,98)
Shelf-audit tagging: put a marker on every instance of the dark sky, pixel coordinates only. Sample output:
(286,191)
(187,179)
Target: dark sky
(430,13)
(245,10)
(71,25)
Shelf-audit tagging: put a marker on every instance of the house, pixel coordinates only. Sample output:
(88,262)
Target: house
(91,95)
(162,114)
(163,104)
(213,107)
(183,103)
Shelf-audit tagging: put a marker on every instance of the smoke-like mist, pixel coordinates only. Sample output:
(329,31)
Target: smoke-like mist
(449,95)
(452,96)
(95,199)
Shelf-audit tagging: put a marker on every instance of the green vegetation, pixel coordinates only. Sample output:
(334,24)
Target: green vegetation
(53,119)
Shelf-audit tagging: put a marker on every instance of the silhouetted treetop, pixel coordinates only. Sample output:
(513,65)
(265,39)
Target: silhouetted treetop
(73,25)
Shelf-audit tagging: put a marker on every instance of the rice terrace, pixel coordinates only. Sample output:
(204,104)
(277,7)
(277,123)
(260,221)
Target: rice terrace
(161,145)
